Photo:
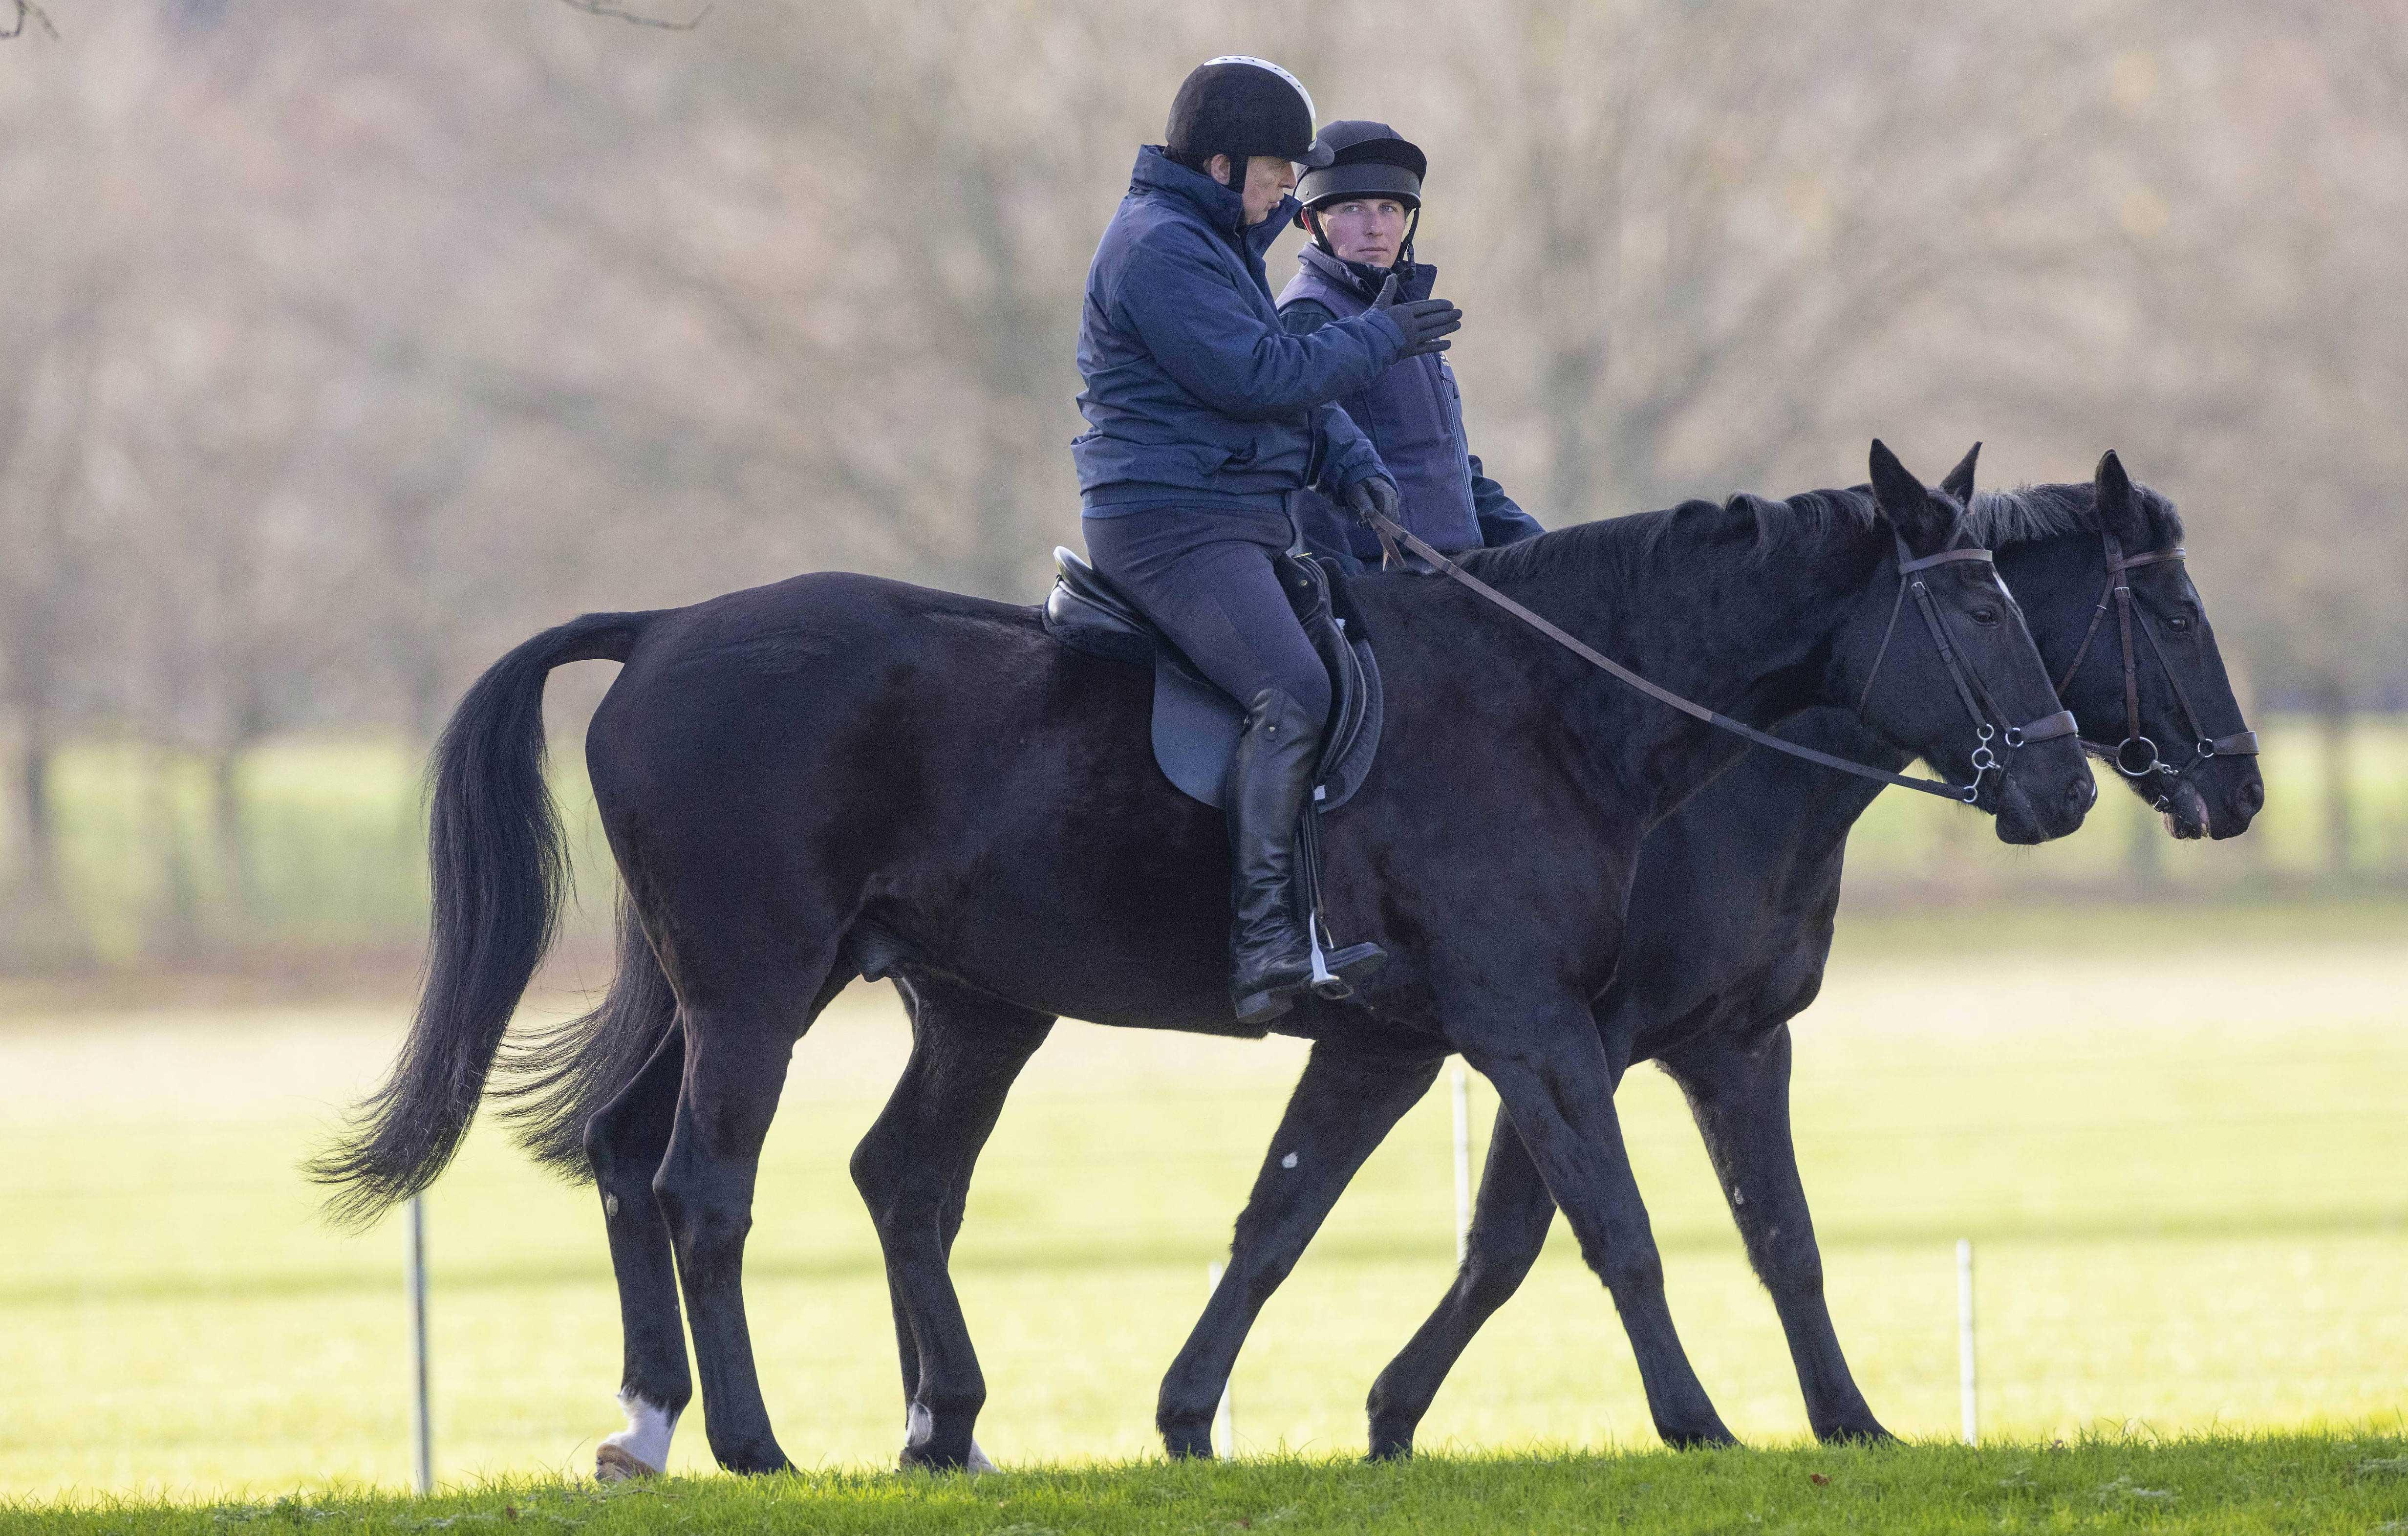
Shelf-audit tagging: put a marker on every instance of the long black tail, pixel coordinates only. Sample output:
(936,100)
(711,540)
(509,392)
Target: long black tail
(498,869)
(561,1077)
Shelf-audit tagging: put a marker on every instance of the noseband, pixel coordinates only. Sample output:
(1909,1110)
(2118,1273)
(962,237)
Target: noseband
(1990,723)
(2047,728)
(2137,756)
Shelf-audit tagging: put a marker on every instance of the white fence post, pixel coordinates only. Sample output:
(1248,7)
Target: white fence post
(1225,1424)
(422,1423)
(1965,1339)
(1462,1161)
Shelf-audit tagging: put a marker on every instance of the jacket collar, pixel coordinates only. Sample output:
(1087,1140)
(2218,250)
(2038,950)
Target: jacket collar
(1414,279)
(1219,208)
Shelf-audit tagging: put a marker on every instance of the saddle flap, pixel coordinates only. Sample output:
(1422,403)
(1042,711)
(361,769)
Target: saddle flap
(1195,726)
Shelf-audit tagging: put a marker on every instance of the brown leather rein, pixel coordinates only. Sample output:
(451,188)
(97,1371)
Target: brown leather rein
(2137,756)
(1968,684)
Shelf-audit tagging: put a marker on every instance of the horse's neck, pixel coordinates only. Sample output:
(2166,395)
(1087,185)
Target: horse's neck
(1748,639)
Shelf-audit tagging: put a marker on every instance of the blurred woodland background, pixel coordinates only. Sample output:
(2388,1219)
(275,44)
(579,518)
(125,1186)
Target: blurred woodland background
(343,346)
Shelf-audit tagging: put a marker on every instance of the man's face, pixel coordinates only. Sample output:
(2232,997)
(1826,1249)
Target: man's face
(1269,178)
(1370,230)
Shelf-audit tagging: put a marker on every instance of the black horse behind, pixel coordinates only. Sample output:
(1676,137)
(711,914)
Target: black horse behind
(1731,924)
(839,776)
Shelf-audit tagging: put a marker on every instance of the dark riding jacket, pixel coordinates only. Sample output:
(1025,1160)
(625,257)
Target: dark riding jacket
(1196,396)
(1412,413)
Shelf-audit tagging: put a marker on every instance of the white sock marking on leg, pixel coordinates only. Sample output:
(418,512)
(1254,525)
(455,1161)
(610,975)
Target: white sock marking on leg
(647,1435)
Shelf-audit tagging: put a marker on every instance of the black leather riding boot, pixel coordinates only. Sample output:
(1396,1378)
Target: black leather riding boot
(1270,957)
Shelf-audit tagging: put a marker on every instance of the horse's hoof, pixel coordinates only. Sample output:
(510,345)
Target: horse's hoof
(613,1465)
(919,1458)
(1711,1439)
(1188,1442)
(1867,1433)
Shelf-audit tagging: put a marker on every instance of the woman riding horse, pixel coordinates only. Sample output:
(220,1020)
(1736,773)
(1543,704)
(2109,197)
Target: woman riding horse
(1362,209)
(1205,420)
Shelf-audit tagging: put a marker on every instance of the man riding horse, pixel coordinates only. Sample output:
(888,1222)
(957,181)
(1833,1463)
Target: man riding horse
(1206,422)
(1362,209)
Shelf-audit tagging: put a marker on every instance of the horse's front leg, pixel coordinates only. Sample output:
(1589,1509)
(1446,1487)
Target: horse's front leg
(1741,1105)
(1550,1068)
(1343,1106)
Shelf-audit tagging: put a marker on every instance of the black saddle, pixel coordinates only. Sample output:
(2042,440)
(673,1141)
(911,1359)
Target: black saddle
(1195,726)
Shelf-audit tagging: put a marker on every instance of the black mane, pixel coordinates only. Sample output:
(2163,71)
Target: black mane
(1611,547)
(2030,513)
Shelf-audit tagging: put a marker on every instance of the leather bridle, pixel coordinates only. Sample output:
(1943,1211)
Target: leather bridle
(1968,682)
(2137,758)
(1990,722)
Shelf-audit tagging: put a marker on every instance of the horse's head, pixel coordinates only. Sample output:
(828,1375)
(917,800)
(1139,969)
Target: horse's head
(1940,663)
(2123,633)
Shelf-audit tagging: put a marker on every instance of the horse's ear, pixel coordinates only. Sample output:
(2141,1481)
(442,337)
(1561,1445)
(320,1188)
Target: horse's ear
(2119,510)
(1908,505)
(1959,482)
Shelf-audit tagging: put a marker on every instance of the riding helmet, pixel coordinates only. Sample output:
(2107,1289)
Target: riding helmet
(1363,159)
(1242,106)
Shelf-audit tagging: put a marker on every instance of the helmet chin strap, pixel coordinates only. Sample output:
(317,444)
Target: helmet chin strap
(1312,227)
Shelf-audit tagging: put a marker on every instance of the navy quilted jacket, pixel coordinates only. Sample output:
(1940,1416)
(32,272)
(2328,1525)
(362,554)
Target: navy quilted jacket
(1196,396)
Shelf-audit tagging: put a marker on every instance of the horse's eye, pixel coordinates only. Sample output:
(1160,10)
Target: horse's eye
(2178,623)
(1983,613)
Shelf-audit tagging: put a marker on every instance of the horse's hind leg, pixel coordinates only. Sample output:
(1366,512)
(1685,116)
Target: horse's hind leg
(626,1143)
(735,1057)
(914,1171)
(1741,1105)
(1508,1228)
(1343,1107)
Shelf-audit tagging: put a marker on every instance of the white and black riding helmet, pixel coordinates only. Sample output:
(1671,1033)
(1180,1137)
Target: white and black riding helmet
(1364,159)
(1242,106)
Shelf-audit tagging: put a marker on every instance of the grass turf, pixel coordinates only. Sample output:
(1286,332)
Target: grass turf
(2232,1485)
(2174,1138)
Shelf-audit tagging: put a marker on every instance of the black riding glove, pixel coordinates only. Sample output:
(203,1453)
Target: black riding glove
(1426,323)
(1375,493)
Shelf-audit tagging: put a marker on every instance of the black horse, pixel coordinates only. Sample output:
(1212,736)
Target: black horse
(1730,925)
(1731,920)
(839,776)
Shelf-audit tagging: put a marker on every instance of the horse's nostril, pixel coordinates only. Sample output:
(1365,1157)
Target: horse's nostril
(2081,793)
(2251,797)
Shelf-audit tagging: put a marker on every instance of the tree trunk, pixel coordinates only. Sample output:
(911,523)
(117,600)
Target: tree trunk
(230,837)
(43,932)
(175,932)
(2333,720)
(39,859)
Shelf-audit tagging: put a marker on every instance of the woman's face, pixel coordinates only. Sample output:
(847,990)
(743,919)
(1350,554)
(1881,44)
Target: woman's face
(1369,230)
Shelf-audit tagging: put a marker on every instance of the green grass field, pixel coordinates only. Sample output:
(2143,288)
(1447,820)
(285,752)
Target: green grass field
(2228,1484)
(2176,1137)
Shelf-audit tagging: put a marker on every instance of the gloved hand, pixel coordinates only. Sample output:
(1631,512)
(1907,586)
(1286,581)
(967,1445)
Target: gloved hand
(1426,323)
(1373,493)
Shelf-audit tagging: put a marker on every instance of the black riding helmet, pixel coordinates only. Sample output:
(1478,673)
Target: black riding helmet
(1242,106)
(1364,159)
